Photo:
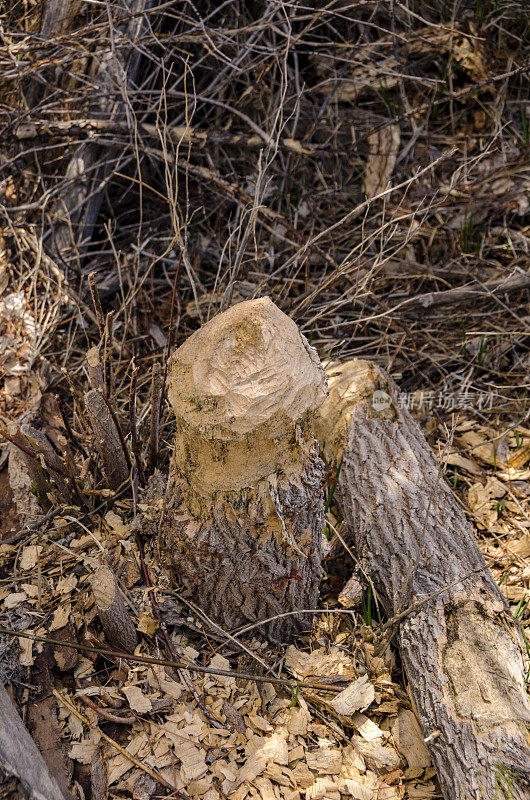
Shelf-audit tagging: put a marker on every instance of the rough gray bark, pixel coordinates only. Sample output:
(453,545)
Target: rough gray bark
(56,14)
(243,522)
(115,619)
(462,650)
(108,440)
(19,756)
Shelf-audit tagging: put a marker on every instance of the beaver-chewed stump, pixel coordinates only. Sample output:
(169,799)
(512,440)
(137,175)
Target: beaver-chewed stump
(244,516)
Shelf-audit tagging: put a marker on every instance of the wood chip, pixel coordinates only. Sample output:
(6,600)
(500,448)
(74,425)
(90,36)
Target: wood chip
(408,739)
(325,760)
(137,699)
(356,697)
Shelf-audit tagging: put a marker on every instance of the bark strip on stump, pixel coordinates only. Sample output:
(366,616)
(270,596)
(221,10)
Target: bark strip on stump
(462,651)
(244,515)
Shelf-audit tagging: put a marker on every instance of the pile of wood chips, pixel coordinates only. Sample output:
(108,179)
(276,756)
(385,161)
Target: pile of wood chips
(142,728)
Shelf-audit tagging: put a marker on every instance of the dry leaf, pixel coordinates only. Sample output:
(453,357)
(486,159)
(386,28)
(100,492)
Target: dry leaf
(61,617)
(116,524)
(457,460)
(15,599)
(146,623)
(26,652)
(480,500)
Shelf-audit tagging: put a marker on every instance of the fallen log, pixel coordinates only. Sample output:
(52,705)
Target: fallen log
(460,645)
(244,515)
(19,756)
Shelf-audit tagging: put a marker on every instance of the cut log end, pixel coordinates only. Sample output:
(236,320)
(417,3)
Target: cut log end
(244,516)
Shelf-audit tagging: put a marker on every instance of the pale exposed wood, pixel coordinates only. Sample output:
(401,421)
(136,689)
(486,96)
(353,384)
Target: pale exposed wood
(351,594)
(113,614)
(463,294)
(95,369)
(97,129)
(244,516)
(462,650)
(19,756)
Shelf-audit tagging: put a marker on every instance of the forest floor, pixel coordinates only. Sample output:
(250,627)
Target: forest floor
(366,165)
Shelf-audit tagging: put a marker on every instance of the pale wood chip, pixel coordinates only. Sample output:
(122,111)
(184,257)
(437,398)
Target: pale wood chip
(408,739)
(357,790)
(220,662)
(356,697)
(323,789)
(296,753)
(137,699)
(326,760)
(29,557)
(377,754)
(302,775)
(193,765)
(83,751)
(258,723)
(319,663)
(353,763)
(266,789)
(368,729)
(297,720)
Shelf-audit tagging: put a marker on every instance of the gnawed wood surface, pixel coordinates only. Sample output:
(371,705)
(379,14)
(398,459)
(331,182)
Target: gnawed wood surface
(462,650)
(244,506)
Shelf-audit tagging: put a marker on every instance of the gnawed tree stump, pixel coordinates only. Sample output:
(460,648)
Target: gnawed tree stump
(244,519)
(462,649)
